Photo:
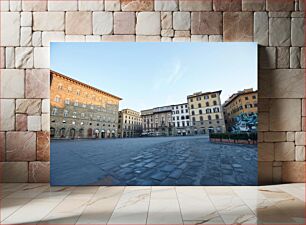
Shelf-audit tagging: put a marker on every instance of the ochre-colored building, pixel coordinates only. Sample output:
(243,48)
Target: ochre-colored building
(129,123)
(206,114)
(242,102)
(79,110)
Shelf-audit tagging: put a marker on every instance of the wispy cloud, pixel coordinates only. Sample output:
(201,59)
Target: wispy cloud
(171,76)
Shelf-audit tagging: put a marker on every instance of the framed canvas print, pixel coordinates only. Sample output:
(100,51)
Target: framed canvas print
(173,114)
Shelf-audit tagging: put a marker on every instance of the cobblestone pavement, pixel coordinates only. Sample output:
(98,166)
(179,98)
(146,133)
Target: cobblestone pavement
(152,161)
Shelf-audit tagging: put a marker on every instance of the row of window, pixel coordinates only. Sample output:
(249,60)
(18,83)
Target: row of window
(182,117)
(54,112)
(78,92)
(200,105)
(247,106)
(208,111)
(204,97)
(83,123)
(217,117)
(178,111)
(177,107)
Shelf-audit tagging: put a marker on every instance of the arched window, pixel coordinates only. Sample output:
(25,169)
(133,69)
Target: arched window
(200,112)
(201,118)
(54,111)
(199,105)
(57,98)
(76,103)
(209,117)
(207,104)
(192,112)
(208,111)
(192,107)
(65,113)
(217,117)
(67,101)
(215,102)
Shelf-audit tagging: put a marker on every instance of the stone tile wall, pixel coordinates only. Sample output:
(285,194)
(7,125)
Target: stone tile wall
(28,26)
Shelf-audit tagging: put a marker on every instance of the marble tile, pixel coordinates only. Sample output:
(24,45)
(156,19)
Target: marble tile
(164,206)
(132,207)
(195,204)
(9,206)
(26,214)
(29,191)
(100,208)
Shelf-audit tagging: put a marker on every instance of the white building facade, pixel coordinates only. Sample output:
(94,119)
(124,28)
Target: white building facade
(181,119)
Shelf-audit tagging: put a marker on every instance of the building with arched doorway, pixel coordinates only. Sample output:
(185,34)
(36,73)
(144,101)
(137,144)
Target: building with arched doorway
(79,110)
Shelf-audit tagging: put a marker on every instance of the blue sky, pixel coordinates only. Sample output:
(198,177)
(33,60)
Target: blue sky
(147,75)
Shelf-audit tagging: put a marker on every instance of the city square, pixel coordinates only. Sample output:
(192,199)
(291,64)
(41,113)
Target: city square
(182,161)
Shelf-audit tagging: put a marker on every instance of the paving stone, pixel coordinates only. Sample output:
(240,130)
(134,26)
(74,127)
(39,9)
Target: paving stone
(124,22)
(20,146)
(293,172)
(50,36)
(277,6)
(227,5)
(159,176)
(199,38)
(279,32)
(42,57)
(26,36)
(284,151)
(300,138)
(28,106)
(283,57)
(78,23)
(206,23)
(261,29)
(102,22)
(253,5)
(169,5)
(13,172)
(202,5)
(238,26)
(300,153)
(168,168)
(118,38)
(112,5)
(151,165)
(166,20)
(15,6)
(275,136)
(148,23)
(26,19)
(48,21)
(36,39)
(94,5)
(12,83)
(37,83)
(281,83)
(10,28)
(215,38)
(181,20)
(43,146)
(7,113)
(57,5)
(295,57)
(137,5)
(39,172)
(176,174)
(32,5)
(267,57)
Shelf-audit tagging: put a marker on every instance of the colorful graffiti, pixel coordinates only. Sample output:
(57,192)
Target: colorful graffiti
(245,123)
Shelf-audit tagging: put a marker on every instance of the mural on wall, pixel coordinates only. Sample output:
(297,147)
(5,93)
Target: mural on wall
(245,123)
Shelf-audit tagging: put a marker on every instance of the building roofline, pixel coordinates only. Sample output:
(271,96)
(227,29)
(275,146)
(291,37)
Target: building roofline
(203,93)
(83,84)
(228,101)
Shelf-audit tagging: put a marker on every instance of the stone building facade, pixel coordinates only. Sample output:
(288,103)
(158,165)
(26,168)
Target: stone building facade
(206,112)
(181,120)
(81,111)
(27,27)
(242,102)
(129,124)
(157,121)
